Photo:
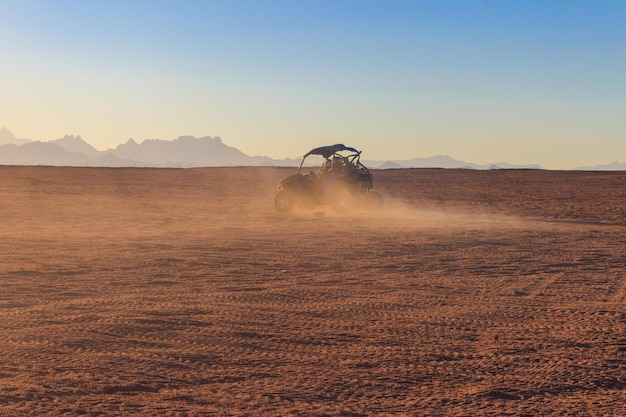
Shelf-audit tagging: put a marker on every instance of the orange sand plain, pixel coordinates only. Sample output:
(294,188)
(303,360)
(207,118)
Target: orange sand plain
(183,293)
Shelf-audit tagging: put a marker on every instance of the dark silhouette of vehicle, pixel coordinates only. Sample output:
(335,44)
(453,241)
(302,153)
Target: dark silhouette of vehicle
(341,181)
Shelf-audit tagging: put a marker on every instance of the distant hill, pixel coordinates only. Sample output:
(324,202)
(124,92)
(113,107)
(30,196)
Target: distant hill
(389,165)
(438,161)
(38,153)
(443,161)
(7,137)
(184,151)
(51,153)
(614,166)
(77,144)
(188,151)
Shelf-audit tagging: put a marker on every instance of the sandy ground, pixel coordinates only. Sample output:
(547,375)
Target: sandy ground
(183,293)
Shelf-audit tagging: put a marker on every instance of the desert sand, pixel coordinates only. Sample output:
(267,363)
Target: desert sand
(181,292)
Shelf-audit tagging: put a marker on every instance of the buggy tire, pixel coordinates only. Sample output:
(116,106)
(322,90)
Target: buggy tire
(284,202)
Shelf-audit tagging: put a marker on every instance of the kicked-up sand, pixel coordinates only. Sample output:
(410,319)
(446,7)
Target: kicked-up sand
(183,293)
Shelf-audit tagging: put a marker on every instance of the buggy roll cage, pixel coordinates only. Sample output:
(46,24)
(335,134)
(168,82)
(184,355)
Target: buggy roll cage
(327,151)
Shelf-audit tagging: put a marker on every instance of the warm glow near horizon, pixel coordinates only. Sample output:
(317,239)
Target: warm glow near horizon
(512,81)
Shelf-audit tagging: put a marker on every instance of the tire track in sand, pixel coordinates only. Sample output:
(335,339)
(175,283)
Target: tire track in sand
(543,282)
(617,291)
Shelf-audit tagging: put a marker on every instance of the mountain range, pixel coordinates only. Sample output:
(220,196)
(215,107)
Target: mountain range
(188,151)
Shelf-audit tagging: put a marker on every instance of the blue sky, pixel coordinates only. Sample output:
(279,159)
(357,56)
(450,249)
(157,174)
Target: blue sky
(482,81)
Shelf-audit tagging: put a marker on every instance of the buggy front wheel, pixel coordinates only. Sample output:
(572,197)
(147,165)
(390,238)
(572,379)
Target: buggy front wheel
(284,202)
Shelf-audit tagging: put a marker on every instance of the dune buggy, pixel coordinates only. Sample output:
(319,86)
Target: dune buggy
(341,181)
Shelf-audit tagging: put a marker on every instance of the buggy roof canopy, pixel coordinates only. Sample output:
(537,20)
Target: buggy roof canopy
(327,151)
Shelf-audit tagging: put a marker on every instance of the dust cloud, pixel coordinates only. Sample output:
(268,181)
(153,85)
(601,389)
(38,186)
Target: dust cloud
(399,213)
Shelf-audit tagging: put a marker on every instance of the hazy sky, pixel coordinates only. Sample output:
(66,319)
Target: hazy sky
(483,81)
